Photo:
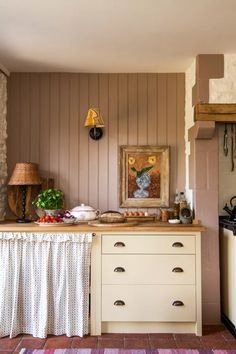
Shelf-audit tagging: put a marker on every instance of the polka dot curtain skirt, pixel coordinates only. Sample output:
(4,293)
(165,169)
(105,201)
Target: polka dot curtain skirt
(44,283)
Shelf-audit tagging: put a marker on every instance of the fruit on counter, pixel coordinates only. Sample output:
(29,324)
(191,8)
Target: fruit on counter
(67,215)
(50,219)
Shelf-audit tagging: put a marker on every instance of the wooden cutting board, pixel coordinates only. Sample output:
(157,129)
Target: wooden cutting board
(117,224)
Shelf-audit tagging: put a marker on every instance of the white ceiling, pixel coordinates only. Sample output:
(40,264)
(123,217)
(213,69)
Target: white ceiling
(113,35)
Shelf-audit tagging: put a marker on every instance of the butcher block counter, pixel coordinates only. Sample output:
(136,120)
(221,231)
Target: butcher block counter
(144,278)
(84,227)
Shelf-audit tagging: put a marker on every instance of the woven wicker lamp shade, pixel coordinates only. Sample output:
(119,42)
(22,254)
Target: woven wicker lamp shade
(25,174)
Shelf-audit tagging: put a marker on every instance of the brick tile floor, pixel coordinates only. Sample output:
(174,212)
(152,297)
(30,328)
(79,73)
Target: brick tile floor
(214,337)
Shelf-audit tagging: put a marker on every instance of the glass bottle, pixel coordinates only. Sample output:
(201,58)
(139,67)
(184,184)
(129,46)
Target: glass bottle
(182,201)
(176,207)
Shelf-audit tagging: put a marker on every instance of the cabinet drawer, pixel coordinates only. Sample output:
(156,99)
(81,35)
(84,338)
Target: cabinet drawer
(149,303)
(148,269)
(152,244)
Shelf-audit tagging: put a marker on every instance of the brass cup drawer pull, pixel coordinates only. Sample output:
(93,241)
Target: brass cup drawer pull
(119,270)
(178,303)
(177,244)
(177,270)
(119,244)
(119,303)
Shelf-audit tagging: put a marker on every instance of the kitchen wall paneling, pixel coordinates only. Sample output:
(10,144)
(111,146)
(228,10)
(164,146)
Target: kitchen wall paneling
(93,146)
(74,126)
(46,117)
(54,128)
(180,127)
(171,126)
(112,142)
(44,125)
(103,195)
(83,152)
(35,118)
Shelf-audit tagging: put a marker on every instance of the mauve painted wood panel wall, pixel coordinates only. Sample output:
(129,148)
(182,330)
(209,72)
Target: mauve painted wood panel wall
(46,113)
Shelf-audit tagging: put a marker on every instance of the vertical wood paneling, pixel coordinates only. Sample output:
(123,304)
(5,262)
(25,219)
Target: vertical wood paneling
(180,146)
(46,114)
(34,117)
(152,109)
(64,135)
(25,118)
(113,149)
(93,145)
(44,127)
(83,140)
(161,109)
(133,109)
(171,129)
(103,144)
(142,109)
(74,140)
(123,109)
(54,140)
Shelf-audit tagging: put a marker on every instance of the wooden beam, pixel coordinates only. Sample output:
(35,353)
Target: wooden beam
(217,112)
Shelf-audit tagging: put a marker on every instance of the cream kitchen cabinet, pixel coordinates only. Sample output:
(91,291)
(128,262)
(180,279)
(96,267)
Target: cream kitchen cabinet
(146,282)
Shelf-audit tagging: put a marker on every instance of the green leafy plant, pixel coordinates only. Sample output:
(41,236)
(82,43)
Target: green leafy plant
(49,199)
(143,170)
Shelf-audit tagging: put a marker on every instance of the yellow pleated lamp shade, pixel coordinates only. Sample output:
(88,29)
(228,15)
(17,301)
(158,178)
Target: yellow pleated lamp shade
(94,118)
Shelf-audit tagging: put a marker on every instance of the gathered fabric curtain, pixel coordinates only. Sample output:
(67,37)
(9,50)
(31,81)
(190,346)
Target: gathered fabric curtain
(44,283)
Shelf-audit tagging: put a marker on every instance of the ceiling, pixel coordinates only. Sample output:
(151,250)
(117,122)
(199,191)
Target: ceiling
(113,35)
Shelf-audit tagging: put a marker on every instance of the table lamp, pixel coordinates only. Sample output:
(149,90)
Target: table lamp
(94,120)
(25,174)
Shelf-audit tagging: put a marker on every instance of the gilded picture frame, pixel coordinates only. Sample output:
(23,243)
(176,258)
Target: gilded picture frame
(144,176)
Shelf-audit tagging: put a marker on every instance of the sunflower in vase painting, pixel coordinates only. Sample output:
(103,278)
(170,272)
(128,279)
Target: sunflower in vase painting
(144,174)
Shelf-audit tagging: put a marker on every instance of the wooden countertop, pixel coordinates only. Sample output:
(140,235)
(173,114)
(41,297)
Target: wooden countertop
(140,227)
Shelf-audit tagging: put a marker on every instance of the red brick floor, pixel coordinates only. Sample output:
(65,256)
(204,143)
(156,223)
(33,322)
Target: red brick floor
(214,337)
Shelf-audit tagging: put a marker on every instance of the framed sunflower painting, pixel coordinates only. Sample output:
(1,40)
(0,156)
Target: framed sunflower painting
(144,176)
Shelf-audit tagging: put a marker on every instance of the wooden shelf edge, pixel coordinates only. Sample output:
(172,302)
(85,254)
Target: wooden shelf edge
(217,112)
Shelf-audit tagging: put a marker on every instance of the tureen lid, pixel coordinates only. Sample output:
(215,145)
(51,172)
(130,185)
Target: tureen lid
(83,207)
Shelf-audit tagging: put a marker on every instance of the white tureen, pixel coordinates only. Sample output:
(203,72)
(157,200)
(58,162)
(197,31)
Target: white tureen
(84,213)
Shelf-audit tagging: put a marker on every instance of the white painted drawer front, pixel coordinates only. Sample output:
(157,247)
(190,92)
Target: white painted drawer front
(148,303)
(148,244)
(148,269)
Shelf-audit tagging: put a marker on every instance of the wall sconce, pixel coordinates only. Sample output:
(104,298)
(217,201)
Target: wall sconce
(94,120)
